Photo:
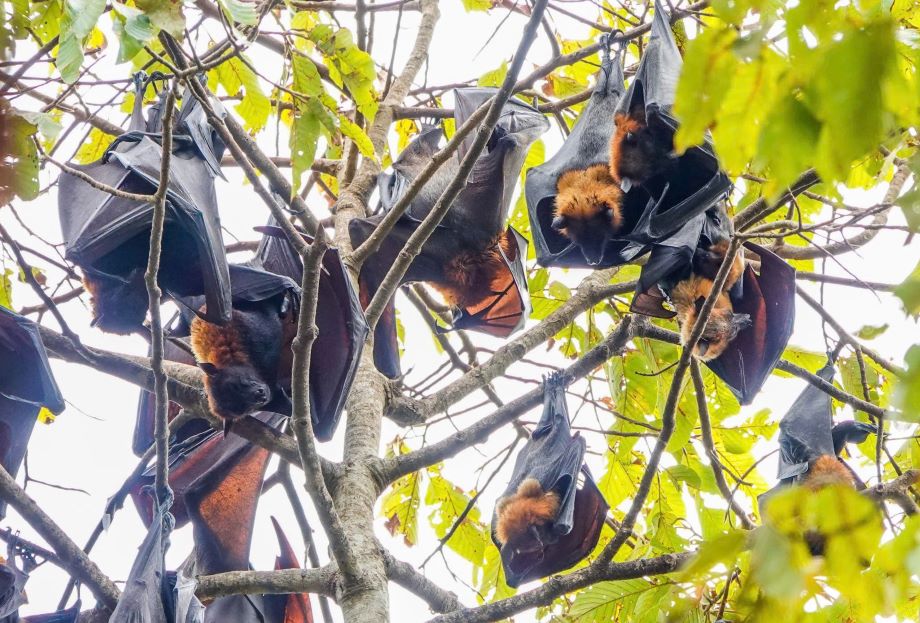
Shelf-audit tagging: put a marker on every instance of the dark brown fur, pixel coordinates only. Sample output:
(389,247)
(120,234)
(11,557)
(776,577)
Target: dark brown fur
(530,506)
(624,124)
(469,276)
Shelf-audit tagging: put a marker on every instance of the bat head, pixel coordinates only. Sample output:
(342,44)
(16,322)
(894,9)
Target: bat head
(236,390)
(119,305)
(639,151)
(723,326)
(827,470)
(588,210)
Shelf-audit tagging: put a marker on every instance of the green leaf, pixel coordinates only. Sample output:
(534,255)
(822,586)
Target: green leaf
(133,29)
(400,507)
(164,15)
(93,148)
(601,602)
(448,501)
(255,106)
(241,12)
(6,289)
(77,22)
(870,332)
(18,156)
(495,77)
(477,5)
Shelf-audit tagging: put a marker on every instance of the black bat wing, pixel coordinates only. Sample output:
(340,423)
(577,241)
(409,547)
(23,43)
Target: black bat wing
(141,601)
(177,327)
(588,144)
(508,307)
(769,299)
(341,323)
(26,385)
(417,154)
(108,234)
(805,432)
(182,605)
(850,432)
(490,186)
(12,589)
(237,609)
(193,121)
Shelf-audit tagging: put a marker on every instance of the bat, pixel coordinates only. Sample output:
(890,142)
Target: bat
(474,262)
(293,608)
(546,521)
(108,236)
(754,315)
(26,385)
(142,600)
(810,445)
(581,218)
(217,481)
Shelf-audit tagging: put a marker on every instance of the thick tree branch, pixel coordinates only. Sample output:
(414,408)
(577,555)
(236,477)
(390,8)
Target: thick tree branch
(69,553)
(322,581)
(405,575)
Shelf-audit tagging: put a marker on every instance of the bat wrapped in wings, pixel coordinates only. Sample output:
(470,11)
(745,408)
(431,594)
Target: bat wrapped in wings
(753,316)
(476,265)
(616,185)
(150,594)
(546,520)
(108,236)
(810,445)
(26,385)
(248,361)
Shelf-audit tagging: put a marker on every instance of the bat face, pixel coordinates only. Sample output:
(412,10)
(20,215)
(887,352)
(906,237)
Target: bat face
(236,390)
(723,325)
(639,151)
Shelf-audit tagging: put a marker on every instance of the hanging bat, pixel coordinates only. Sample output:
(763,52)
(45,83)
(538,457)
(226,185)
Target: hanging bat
(754,314)
(581,218)
(810,445)
(142,601)
(470,259)
(108,236)
(248,361)
(545,522)
(26,385)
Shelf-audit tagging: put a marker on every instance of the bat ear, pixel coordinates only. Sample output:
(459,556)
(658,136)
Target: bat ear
(740,322)
(560,222)
(208,368)
(637,108)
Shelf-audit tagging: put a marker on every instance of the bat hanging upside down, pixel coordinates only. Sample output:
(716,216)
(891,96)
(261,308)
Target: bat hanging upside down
(638,152)
(588,209)
(526,515)
(688,297)
(244,360)
(468,277)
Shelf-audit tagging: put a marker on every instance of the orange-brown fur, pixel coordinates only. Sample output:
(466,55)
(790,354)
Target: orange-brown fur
(218,345)
(827,470)
(530,506)
(469,276)
(583,192)
(624,124)
(717,331)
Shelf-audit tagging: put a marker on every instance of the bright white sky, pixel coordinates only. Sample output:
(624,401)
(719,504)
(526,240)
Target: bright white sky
(90,444)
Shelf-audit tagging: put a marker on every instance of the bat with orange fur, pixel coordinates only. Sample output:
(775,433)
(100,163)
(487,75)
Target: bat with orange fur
(550,514)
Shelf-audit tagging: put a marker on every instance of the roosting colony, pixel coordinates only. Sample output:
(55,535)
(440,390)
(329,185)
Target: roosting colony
(615,192)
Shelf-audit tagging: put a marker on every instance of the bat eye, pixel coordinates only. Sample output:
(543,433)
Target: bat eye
(630,138)
(560,222)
